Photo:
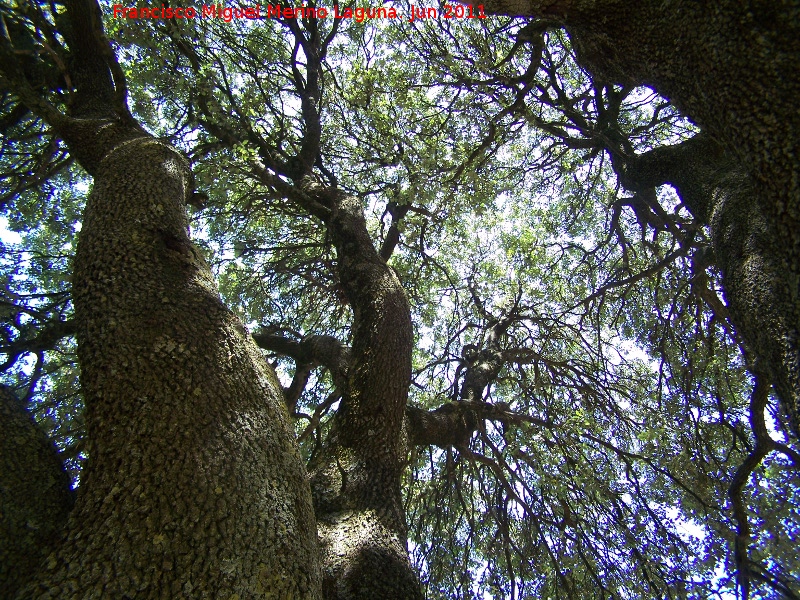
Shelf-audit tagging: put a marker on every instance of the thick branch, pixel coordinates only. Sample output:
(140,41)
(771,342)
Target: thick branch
(724,66)
(356,479)
(452,424)
(483,364)
(313,350)
(47,337)
(95,95)
(693,167)
(483,367)
(12,78)
(380,372)
(764,444)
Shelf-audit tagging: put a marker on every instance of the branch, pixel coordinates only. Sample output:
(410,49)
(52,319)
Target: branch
(312,350)
(12,78)
(693,167)
(652,270)
(36,497)
(764,445)
(100,88)
(46,339)
(452,424)
(397,212)
(292,394)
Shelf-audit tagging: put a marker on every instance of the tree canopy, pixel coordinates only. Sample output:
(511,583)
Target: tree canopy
(583,418)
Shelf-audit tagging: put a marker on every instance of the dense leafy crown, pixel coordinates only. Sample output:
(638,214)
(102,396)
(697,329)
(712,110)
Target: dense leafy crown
(491,168)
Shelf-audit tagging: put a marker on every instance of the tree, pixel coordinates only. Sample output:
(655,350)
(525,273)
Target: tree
(381,231)
(724,66)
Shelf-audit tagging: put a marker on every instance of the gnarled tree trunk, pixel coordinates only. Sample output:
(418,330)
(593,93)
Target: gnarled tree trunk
(356,478)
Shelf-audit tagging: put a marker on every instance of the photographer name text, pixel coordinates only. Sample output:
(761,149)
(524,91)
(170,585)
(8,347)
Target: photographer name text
(276,11)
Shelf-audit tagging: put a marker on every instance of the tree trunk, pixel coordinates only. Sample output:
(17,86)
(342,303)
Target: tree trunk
(356,477)
(35,495)
(730,67)
(194,486)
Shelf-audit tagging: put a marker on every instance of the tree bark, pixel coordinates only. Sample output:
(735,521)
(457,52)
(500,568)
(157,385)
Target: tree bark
(356,477)
(194,486)
(729,67)
(35,495)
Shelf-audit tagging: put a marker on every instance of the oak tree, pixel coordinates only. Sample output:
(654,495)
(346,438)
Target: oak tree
(448,308)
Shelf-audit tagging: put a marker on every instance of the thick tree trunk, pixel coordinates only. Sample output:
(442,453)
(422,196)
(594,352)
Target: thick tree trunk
(356,475)
(730,67)
(744,245)
(356,478)
(35,495)
(194,486)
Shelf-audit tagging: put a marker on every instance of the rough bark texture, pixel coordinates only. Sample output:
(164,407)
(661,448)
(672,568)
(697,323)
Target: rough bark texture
(194,486)
(452,424)
(730,67)
(356,478)
(35,495)
(312,350)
